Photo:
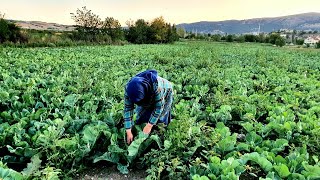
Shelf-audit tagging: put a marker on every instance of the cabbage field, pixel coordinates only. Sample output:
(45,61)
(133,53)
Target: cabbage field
(241,111)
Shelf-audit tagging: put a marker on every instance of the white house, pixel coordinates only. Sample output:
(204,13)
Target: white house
(284,36)
(311,41)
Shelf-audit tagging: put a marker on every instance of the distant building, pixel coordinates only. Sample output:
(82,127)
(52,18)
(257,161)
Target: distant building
(286,30)
(283,36)
(255,33)
(218,32)
(312,41)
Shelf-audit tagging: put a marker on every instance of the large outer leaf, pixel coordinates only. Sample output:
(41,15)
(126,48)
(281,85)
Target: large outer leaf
(253,139)
(70,100)
(279,145)
(108,156)
(134,146)
(282,170)
(257,158)
(4,96)
(33,166)
(227,144)
(139,145)
(9,174)
(311,172)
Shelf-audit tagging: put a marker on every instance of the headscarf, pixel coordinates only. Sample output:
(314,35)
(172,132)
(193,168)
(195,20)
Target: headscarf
(141,86)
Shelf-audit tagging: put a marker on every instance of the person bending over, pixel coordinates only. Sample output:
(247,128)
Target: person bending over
(153,96)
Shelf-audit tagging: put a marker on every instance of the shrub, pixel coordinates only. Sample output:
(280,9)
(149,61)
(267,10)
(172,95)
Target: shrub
(10,32)
(318,45)
(280,41)
(300,41)
(241,39)
(229,38)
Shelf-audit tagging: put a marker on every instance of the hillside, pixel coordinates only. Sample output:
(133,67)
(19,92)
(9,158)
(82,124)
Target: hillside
(306,21)
(38,25)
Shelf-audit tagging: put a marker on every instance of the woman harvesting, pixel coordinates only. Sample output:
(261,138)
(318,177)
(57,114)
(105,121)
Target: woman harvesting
(153,96)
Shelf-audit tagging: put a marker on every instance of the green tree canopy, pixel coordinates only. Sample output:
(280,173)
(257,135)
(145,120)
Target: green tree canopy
(280,41)
(157,31)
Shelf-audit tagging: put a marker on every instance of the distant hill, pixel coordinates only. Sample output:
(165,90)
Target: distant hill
(306,21)
(38,25)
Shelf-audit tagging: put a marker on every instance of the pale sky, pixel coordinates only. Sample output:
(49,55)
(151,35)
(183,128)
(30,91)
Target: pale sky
(174,11)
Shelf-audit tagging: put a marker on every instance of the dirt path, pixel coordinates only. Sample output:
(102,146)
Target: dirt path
(110,173)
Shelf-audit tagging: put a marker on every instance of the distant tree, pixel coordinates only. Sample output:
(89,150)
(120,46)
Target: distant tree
(10,32)
(318,45)
(112,27)
(223,38)
(87,25)
(172,34)
(90,27)
(216,37)
(241,39)
(229,38)
(158,31)
(140,32)
(200,36)
(299,41)
(130,23)
(250,38)
(261,38)
(273,37)
(181,32)
(293,40)
(4,30)
(86,20)
(160,28)
(302,33)
(191,36)
(267,39)
(280,42)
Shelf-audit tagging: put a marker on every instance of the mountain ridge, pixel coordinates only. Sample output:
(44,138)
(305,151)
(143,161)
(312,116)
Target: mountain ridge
(303,21)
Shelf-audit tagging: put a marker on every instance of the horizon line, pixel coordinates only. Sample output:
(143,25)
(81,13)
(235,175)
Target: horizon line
(253,18)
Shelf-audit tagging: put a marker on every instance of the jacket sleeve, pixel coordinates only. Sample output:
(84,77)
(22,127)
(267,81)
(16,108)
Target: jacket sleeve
(159,105)
(128,112)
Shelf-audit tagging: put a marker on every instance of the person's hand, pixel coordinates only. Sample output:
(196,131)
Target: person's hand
(147,128)
(129,136)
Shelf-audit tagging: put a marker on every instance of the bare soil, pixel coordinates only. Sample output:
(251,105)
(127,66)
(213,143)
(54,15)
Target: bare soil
(110,173)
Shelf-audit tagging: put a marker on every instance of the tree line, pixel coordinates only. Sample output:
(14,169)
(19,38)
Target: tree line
(157,31)
(272,38)
(10,32)
(91,29)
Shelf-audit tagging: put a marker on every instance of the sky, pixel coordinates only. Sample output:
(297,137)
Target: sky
(173,11)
